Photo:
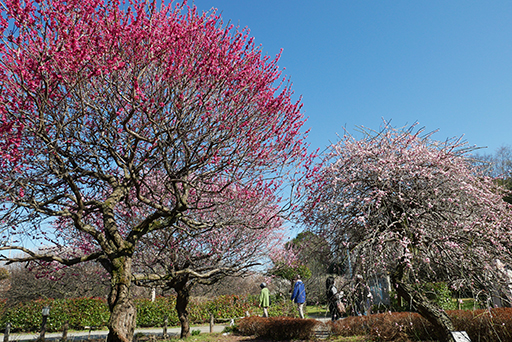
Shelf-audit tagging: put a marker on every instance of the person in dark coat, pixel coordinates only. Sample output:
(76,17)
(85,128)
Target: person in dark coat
(333,298)
(299,295)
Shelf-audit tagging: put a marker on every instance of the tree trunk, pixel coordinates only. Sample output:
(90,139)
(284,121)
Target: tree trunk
(182,299)
(122,310)
(426,308)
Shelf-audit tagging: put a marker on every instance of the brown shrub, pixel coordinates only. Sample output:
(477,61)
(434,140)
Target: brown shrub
(396,326)
(278,328)
(402,326)
(350,326)
(481,325)
(484,325)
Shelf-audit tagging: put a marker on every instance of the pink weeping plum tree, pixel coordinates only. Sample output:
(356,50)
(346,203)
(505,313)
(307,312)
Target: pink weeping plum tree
(123,119)
(414,209)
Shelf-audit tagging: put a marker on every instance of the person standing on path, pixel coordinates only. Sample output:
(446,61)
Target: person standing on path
(362,297)
(264,299)
(299,295)
(334,296)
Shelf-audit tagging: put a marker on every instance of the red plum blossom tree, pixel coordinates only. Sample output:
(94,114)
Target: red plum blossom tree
(415,209)
(123,120)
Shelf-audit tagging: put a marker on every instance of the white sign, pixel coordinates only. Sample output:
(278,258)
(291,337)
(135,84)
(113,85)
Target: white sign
(460,336)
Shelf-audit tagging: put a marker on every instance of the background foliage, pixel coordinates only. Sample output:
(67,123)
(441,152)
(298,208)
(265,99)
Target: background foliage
(93,312)
(438,292)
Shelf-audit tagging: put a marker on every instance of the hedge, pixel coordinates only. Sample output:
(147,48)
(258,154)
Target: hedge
(278,328)
(79,313)
(481,325)
(82,312)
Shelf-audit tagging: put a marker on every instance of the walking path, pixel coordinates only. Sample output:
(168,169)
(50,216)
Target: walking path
(101,334)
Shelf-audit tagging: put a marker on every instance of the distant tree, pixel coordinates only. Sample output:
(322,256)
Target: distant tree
(415,209)
(5,283)
(498,166)
(29,283)
(503,162)
(288,270)
(241,286)
(314,252)
(132,110)
(287,264)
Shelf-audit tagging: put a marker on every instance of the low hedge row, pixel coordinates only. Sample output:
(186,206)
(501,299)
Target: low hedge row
(481,325)
(153,314)
(278,328)
(77,312)
(82,312)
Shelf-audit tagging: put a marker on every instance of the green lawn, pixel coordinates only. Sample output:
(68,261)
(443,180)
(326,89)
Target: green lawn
(317,310)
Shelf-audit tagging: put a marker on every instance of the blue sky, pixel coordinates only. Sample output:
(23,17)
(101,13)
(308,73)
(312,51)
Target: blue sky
(445,64)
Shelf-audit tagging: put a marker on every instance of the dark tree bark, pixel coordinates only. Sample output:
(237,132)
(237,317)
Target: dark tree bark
(182,300)
(426,308)
(123,312)
(431,311)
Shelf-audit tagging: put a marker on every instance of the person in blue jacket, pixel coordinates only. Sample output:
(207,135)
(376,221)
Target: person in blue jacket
(299,294)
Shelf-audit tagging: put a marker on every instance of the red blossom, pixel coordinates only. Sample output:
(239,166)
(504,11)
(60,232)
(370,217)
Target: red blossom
(119,117)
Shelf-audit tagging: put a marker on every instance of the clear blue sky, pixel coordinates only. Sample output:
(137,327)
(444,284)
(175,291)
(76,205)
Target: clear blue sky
(445,64)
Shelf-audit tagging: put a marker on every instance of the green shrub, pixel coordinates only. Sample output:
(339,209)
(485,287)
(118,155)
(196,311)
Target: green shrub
(77,312)
(285,308)
(222,307)
(229,306)
(25,316)
(93,312)
(437,292)
(153,314)
(82,312)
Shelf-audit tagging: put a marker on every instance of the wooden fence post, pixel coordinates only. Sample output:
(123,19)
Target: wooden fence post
(7,331)
(212,321)
(65,332)
(166,321)
(43,328)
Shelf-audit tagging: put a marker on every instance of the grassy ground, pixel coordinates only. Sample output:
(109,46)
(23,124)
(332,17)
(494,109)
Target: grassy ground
(317,310)
(219,337)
